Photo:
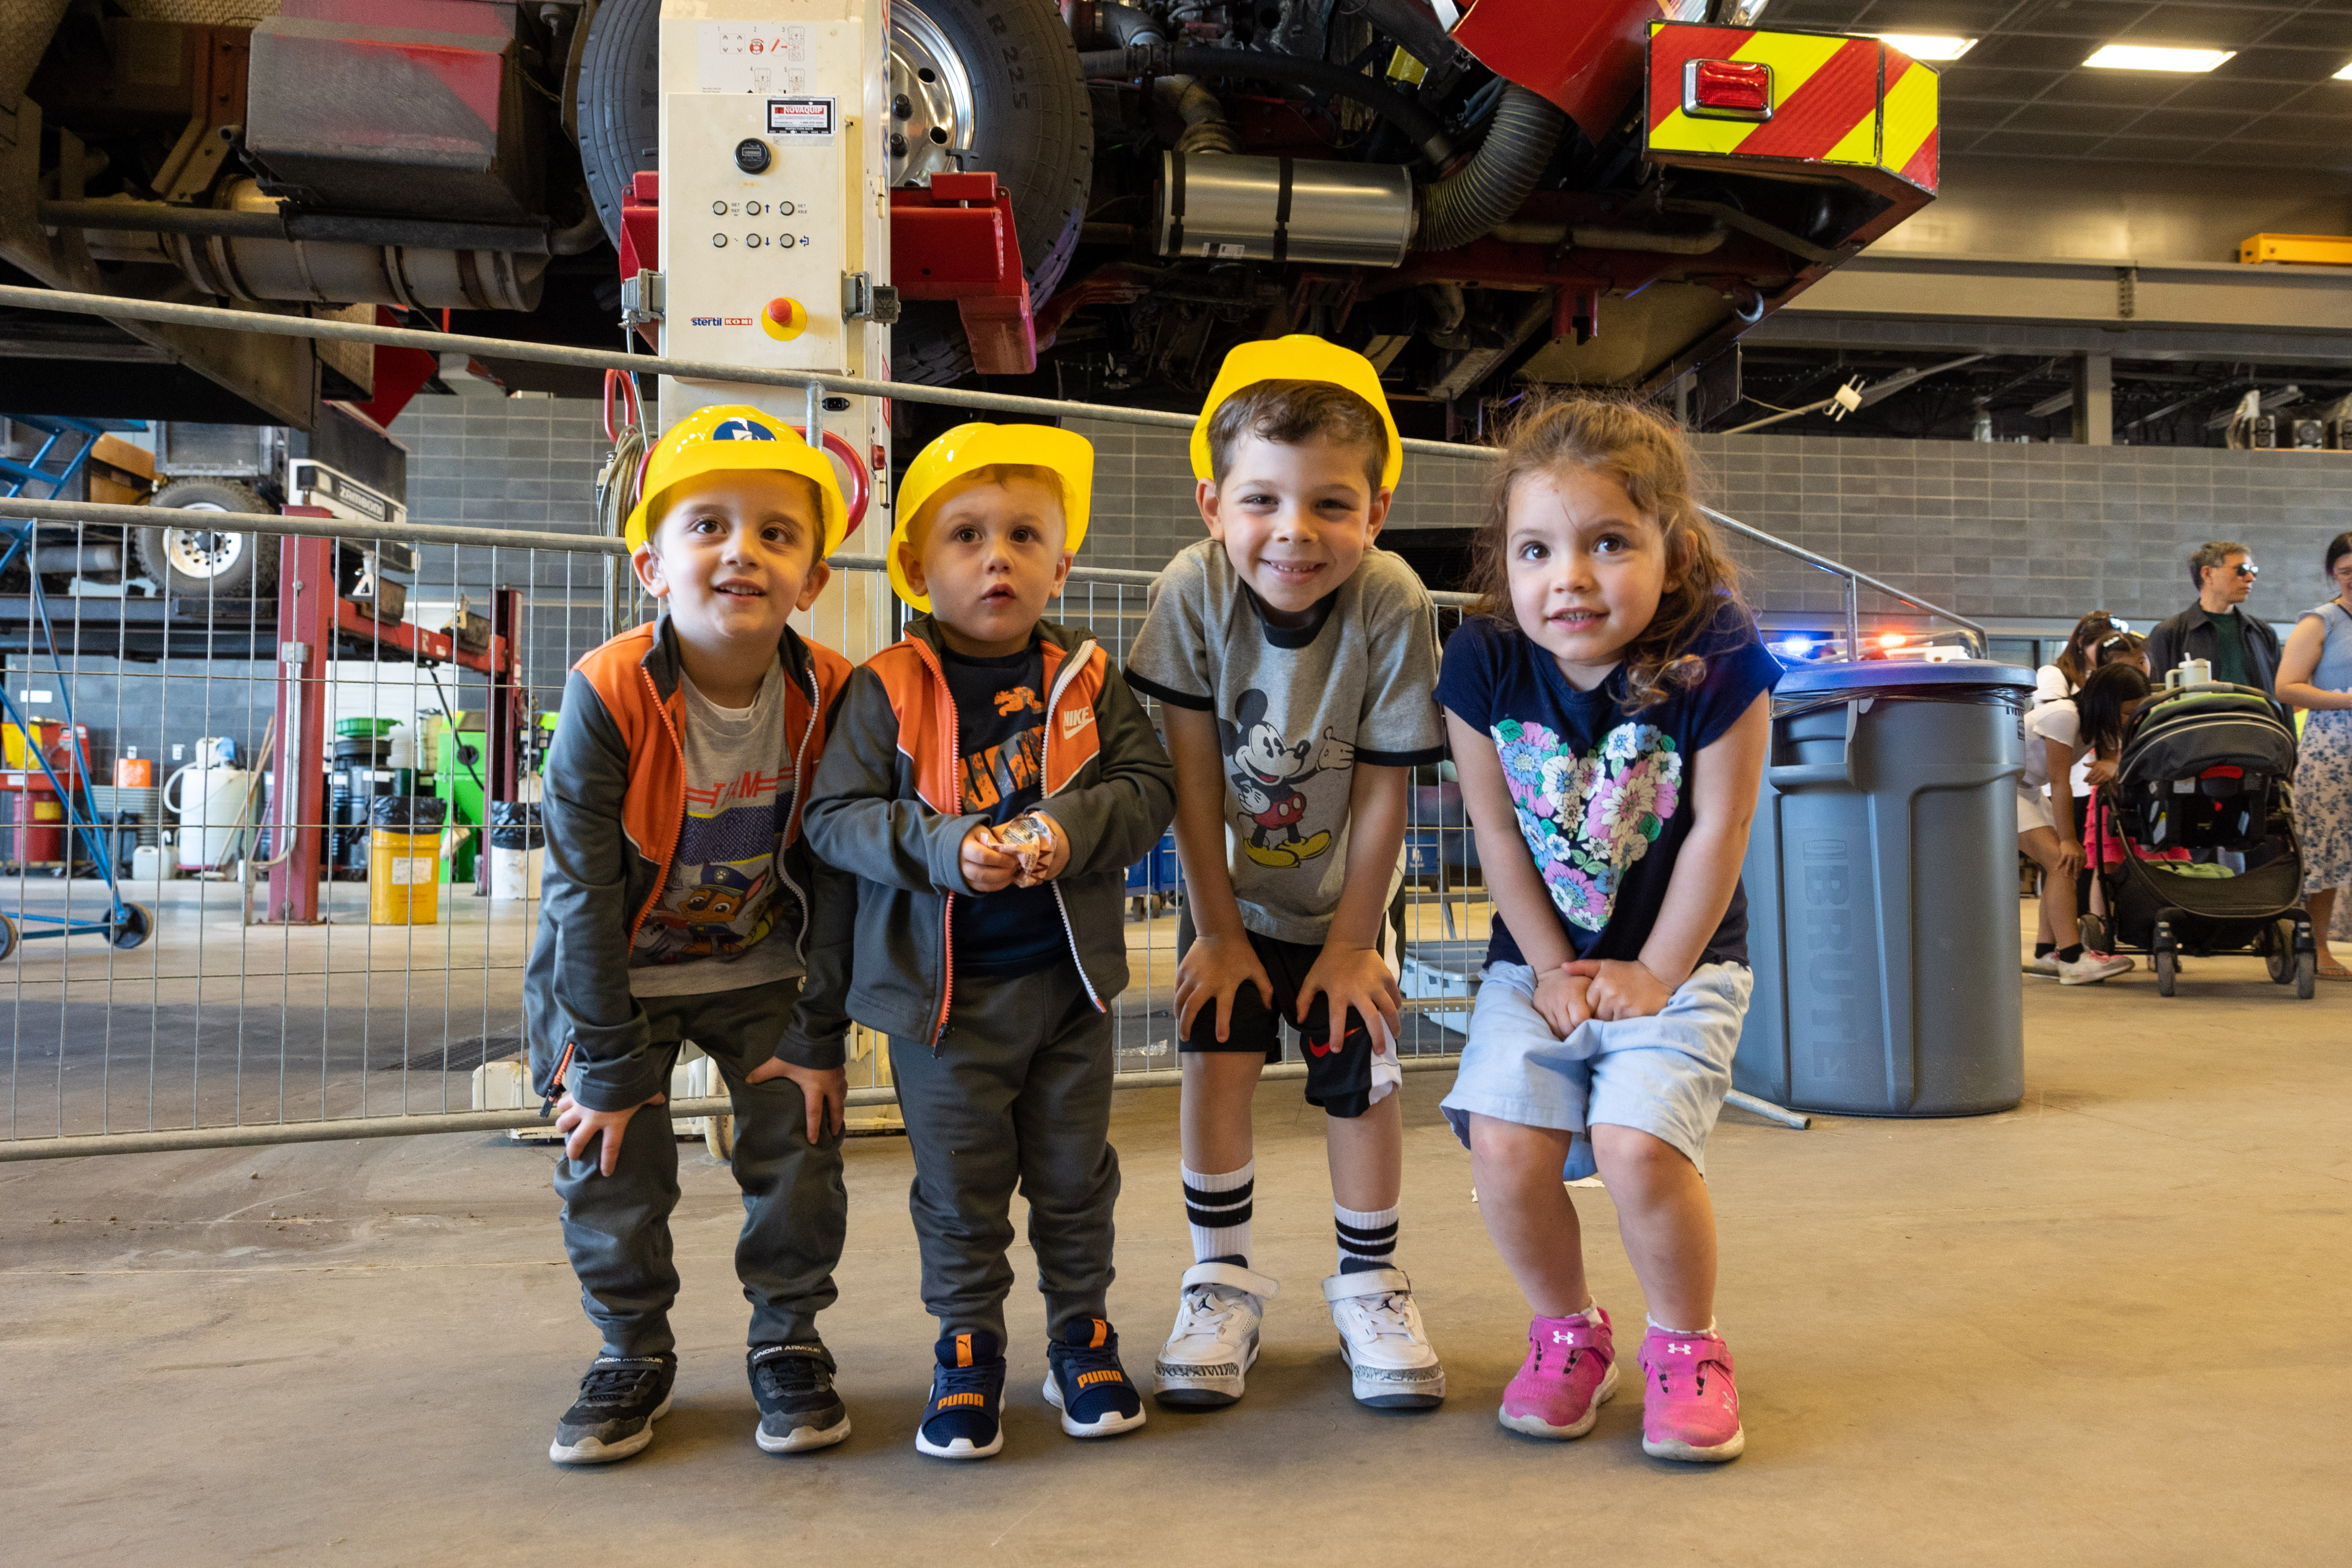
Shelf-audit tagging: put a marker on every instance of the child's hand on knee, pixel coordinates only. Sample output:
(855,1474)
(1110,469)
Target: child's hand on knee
(1621,988)
(986,867)
(1562,1000)
(825,1091)
(582,1127)
(1211,973)
(1357,980)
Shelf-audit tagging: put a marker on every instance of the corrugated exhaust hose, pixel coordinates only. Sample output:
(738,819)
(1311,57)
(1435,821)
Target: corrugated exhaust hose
(1488,189)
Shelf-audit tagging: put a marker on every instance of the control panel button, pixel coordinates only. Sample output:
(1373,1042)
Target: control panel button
(752,241)
(719,209)
(785,240)
(784,320)
(752,156)
(752,209)
(785,209)
(719,242)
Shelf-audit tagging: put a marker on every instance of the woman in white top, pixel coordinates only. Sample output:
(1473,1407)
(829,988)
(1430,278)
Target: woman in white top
(2058,680)
(2315,673)
(2054,737)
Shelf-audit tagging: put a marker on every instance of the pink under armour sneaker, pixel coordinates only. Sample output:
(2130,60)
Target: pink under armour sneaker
(1570,1373)
(1690,1410)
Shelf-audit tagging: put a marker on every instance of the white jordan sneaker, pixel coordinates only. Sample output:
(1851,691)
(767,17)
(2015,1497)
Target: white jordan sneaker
(1214,1340)
(1382,1342)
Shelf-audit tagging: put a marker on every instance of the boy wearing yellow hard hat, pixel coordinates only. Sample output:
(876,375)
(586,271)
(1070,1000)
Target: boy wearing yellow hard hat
(1295,663)
(682,902)
(989,780)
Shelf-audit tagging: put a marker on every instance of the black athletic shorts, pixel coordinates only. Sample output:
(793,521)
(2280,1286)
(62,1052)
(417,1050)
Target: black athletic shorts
(1340,1080)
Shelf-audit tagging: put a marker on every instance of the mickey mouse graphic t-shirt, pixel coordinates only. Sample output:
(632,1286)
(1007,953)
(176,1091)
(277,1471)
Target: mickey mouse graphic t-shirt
(1297,708)
(716,927)
(1601,796)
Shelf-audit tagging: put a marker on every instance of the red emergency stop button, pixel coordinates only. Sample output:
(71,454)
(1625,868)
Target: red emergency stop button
(784,320)
(1727,89)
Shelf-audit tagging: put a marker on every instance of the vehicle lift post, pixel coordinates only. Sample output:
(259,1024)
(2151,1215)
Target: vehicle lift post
(306,646)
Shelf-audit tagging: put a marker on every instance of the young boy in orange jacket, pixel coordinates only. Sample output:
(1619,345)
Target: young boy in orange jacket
(681,902)
(991,779)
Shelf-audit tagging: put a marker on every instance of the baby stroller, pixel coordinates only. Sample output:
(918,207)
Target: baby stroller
(2205,769)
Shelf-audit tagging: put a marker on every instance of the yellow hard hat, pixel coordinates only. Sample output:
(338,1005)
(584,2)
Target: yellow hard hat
(735,435)
(1298,357)
(1067,455)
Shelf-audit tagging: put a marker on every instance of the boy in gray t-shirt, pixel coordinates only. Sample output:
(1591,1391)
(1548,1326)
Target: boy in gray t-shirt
(1295,665)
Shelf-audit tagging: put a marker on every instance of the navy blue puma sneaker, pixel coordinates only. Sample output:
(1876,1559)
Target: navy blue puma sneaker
(1084,1382)
(967,1394)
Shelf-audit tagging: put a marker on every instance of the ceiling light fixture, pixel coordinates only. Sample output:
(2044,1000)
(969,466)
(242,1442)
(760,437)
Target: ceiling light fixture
(2344,75)
(1934,47)
(2156,57)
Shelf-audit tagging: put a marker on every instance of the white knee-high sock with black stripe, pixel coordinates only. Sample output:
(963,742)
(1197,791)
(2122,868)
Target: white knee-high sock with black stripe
(1368,1237)
(1218,1208)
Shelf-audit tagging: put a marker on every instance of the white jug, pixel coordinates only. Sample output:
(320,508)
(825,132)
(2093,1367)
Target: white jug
(211,807)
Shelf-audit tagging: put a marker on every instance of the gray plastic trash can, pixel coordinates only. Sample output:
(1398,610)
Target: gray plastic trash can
(1882,893)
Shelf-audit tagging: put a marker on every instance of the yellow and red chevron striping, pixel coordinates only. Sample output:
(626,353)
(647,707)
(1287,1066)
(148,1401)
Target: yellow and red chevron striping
(1815,116)
(1835,100)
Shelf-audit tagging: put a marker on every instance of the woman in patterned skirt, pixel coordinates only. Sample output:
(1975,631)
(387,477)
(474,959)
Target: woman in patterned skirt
(2315,673)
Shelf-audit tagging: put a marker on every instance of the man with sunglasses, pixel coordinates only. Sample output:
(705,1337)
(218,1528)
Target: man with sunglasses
(2244,651)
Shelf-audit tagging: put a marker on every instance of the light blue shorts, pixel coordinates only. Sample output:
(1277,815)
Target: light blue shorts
(1665,1075)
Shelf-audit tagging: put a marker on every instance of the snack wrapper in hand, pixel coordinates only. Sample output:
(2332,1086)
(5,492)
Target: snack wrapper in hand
(1031,840)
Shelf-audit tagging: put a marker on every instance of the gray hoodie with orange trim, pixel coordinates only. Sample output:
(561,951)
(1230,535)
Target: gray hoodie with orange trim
(616,802)
(887,807)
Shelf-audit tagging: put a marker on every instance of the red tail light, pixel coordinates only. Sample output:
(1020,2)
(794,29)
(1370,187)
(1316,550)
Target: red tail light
(1727,89)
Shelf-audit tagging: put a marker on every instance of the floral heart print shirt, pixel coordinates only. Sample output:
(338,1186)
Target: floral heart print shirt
(1587,818)
(1599,793)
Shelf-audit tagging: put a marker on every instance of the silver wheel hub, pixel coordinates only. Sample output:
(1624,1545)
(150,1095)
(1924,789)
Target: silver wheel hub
(202,553)
(931,110)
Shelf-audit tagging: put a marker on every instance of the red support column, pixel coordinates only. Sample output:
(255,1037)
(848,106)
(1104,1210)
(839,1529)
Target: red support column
(306,643)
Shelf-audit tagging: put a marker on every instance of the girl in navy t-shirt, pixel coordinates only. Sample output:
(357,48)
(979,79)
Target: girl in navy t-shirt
(1609,711)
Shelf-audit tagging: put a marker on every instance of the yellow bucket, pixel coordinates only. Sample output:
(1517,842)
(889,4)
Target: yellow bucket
(404,877)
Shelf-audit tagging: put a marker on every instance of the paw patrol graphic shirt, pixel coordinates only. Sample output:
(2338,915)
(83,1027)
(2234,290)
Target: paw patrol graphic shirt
(1603,795)
(715,927)
(1297,708)
(1001,733)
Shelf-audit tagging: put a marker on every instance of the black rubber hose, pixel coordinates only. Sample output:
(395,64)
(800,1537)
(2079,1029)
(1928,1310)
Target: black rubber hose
(1426,129)
(1489,188)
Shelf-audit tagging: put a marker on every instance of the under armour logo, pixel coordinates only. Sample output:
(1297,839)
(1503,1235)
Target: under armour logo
(1562,1337)
(1678,1350)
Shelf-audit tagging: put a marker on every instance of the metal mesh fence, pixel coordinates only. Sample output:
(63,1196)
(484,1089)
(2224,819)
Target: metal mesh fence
(209,932)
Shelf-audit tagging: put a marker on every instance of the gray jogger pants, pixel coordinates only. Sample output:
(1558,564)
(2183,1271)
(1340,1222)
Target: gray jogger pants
(795,1210)
(1019,1094)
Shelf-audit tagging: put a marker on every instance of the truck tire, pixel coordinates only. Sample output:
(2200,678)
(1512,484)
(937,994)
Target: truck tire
(1030,125)
(214,563)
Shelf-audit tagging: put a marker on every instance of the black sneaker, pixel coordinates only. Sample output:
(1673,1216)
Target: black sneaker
(620,1400)
(798,1408)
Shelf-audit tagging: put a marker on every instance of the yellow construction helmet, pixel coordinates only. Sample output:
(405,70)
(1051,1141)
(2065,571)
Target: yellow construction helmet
(734,435)
(1298,357)
(1065,454)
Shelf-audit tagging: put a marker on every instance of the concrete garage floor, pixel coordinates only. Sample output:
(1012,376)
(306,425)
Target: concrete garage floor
(2105,1327)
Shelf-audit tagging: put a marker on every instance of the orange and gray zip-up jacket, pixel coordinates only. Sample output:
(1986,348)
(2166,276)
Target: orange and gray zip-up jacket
(614,807)
(888,808)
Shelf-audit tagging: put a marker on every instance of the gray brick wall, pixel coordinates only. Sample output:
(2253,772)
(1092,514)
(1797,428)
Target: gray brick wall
(2001,529)
(2008,532)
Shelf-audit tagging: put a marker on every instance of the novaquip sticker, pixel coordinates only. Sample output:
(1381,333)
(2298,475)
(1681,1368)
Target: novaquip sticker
(810,118)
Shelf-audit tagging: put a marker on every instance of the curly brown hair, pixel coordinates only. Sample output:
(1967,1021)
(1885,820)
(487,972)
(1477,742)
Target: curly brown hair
(1647,455)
